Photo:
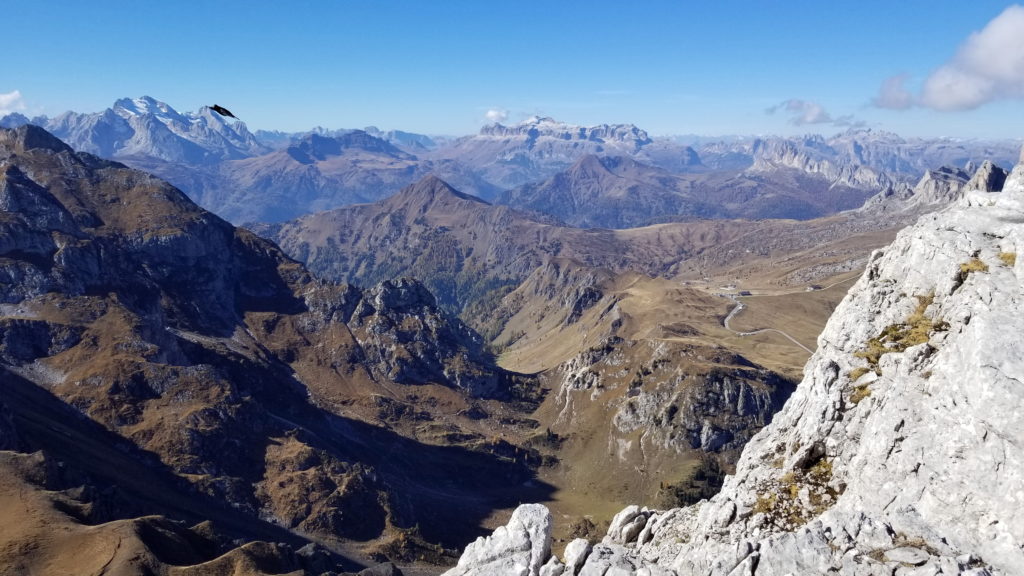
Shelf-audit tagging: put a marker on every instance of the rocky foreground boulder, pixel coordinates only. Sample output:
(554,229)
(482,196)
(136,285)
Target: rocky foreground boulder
(901,452)
(520,547)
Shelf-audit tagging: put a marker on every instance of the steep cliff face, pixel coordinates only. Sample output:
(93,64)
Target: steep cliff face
(539,147)
(901,451)
(936,189)
(407,339)
(988,178)
(535,127)
(813,155)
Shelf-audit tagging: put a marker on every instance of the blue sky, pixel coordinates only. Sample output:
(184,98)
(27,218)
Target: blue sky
(447,66)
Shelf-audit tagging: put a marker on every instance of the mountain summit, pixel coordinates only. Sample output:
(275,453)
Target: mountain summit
(539,147)
(148,128)
(535,127)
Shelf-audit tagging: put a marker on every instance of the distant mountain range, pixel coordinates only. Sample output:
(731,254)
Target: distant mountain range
(147,128)
(620,192)
(538,164)
(540,147)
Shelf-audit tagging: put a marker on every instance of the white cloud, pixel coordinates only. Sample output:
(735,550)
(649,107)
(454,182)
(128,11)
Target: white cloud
(803,112)
(894,94)
(496,115)
(849,121)
(11,102)
(988,66)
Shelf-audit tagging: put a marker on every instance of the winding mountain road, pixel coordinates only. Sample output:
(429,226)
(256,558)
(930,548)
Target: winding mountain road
(738,308)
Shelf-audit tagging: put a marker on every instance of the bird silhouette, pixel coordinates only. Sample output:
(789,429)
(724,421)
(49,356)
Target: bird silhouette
(222,111)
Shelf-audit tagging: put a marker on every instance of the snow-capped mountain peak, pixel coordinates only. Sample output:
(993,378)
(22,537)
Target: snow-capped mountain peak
(146,105)
(145,127)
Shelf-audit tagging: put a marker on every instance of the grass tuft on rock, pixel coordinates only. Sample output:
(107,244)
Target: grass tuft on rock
(857,372)
(973,265)
(859,393)
(797,497)
(916,329)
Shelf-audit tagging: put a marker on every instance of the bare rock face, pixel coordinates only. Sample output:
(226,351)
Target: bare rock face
(937,188)
(862,155)
(540,147)
(521,547)
(940,186)
(1015,181)
(900,447)
(720,413)
(627,525)
(147,127)
(712,409)
(814,155)
(408,339)
(537,126)
(576,553)
(988,178)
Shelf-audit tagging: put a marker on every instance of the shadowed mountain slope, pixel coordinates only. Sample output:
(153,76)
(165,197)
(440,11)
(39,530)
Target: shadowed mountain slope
(202,353)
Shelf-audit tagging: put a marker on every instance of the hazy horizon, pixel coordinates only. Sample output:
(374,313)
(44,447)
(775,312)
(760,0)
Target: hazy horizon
(919,69)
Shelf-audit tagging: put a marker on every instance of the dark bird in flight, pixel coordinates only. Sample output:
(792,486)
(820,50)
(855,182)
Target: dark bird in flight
(222,111)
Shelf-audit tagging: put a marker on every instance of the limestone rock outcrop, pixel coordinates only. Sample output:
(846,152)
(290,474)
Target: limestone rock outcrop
(988,178)
(521,547)
(537,126)
(937,188)
(812,154)
(900,448)
(940,186)
(539,147)
(406,338)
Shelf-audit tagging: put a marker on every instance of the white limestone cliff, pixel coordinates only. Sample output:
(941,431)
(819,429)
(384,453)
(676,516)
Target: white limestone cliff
(902,451)
(988,178)
(519,548)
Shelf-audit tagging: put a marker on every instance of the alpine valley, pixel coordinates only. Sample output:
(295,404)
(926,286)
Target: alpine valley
(356,351)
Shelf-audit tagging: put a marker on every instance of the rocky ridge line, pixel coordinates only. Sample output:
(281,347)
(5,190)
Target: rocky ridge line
(900,452)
